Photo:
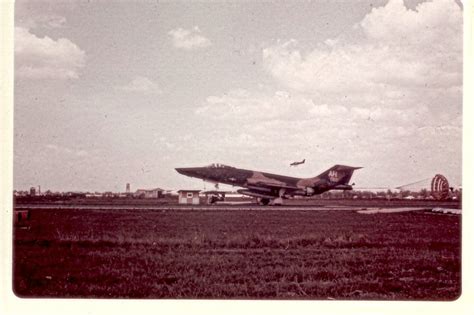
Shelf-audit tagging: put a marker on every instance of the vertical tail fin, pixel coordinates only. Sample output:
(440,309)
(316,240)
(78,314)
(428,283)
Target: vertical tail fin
(338,174)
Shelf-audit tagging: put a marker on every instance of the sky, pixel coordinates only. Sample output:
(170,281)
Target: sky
(109,93)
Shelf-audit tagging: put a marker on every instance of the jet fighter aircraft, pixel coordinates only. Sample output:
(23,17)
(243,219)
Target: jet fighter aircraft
(297,163)
(268,187)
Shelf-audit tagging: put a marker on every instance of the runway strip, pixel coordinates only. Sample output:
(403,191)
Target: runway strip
(249,207)
(389,210)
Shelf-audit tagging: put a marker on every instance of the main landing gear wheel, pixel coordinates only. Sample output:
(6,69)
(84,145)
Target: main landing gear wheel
(263,201)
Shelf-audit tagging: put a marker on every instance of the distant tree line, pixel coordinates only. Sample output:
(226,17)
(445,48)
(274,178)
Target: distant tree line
(423,194)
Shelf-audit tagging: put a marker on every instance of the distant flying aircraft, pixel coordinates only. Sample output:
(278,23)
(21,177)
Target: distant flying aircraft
(297,163)
(268,187)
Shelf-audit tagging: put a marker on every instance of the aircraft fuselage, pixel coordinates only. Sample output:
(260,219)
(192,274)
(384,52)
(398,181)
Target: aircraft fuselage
(268,185)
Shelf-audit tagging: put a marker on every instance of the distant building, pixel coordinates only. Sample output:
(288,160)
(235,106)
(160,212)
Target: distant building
(32,191)
(170,193)
(149,193)
(20,193)
(127,188)
(188,197)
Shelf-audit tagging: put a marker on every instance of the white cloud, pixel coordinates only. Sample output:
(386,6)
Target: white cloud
(435,23)
(395,46)
(48,21)
(141,84)
(282,125)
(257,108)
(244,105)
(387,95)
(45,58)
(390,89)
(390,115)
(189,39)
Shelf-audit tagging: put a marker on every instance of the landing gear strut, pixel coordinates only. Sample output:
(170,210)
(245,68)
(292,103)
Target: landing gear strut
(263,201)
(277,201)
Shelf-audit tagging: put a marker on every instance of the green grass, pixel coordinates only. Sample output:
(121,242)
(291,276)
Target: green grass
(273,254)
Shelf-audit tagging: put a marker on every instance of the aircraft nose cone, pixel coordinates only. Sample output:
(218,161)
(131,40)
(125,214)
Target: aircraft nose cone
(181,170)
(188,171)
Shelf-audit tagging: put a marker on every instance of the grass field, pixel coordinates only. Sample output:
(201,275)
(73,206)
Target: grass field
(261,254)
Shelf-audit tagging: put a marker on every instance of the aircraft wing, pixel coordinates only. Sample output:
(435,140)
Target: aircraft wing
(273,185)
(260,180)
(270,190)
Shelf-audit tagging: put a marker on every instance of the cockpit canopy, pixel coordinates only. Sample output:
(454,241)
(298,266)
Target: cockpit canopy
(217,165)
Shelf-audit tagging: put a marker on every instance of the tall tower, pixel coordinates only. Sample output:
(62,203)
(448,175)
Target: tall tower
(127,188)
